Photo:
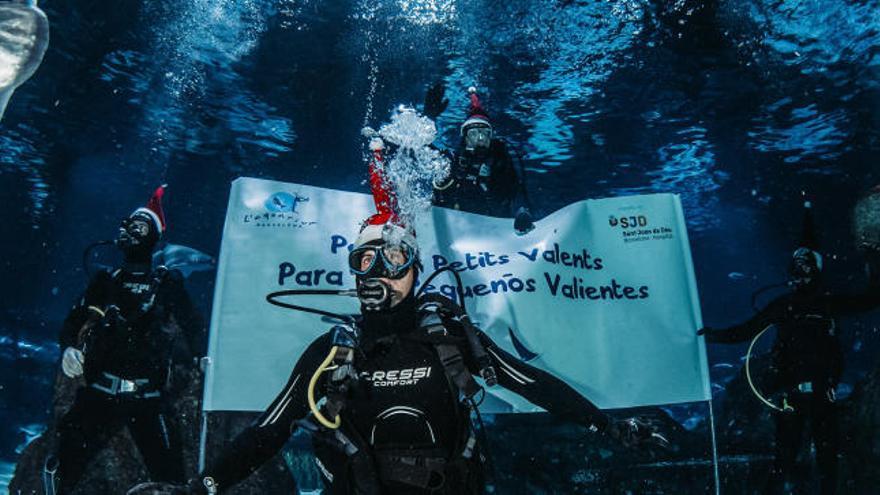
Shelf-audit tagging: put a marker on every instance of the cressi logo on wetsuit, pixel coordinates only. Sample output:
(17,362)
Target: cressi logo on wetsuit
(397,378)
(136,287)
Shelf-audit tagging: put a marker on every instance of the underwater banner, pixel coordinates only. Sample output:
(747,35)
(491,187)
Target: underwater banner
(601,294)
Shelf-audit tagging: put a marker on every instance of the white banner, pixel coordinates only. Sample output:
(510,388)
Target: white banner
(601,294)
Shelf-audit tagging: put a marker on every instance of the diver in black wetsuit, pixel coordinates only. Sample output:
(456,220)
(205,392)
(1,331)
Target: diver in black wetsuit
(120,337)
(807,360)
(483,179)
(400,422)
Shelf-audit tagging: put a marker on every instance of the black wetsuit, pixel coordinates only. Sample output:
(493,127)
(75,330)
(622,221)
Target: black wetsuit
(483,182)
(155,315)
(807,362)
(404,411)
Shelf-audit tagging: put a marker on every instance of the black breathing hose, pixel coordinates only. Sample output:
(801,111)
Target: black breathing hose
(457,281)
(272,298)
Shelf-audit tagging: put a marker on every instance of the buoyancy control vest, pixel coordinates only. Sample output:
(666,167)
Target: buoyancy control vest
(419,446)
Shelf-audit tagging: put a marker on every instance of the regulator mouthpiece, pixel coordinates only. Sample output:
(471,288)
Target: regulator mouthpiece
(374,294)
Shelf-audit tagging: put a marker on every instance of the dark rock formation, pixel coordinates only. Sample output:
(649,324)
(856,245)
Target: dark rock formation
(860,437)
(119,465)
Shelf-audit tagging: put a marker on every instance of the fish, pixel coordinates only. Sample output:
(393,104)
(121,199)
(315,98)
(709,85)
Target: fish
(185,259)
(24,37)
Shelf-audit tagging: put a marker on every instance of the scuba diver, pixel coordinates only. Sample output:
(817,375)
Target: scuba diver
(398,383)
(122,337)
(483,179)
(807,359)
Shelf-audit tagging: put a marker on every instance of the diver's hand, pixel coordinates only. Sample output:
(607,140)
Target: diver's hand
(712,335)
(523,223)
(72,362)
(831,392)
(635,432)
(435,104)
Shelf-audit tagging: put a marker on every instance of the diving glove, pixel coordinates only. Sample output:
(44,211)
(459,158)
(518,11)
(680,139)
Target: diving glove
(523,223)
(634,432)
(708,332)
(72,362)
(435,103)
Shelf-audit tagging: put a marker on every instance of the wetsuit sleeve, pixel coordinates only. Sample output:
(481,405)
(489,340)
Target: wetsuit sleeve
(185,314)
(507,183)
(842,305)
(265,437)
(97,294)
(541,388)
(771,314)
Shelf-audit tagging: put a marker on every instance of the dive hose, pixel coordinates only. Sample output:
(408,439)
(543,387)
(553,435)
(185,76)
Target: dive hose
(272,298)
(785,406)
(311,394)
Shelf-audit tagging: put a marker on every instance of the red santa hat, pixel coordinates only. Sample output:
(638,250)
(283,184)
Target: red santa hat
(154,209)
(476,113)
(385,225)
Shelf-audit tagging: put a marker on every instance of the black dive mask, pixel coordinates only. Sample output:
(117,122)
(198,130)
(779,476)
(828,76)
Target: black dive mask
(805,267)
(373,261)
(477,137)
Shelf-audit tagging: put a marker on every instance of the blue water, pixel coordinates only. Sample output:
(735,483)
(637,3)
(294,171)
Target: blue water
(738,106)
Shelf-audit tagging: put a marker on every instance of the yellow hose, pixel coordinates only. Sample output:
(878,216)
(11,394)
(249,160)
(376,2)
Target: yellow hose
(785,407)
(312,404)
(97,311)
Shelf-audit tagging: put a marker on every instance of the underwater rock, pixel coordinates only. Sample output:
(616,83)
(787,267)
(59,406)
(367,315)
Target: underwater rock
(118,466)
(866,220)
(860,437)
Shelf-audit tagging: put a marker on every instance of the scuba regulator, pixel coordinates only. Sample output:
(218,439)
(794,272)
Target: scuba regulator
(345,339)
(374,295)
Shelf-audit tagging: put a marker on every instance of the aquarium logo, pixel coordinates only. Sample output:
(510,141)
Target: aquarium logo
(630,222)
(280,212)
(284,202)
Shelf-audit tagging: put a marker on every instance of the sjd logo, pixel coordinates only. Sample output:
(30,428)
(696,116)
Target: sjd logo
(630,222)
